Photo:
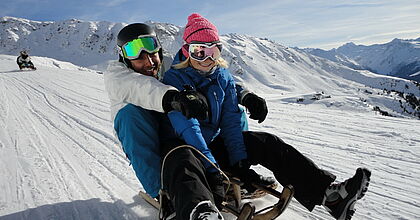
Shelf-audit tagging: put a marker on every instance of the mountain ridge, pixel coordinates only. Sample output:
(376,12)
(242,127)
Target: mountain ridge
(399,57)
(256,61)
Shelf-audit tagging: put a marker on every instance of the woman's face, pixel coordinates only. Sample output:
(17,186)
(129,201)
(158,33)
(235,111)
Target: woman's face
(204,66)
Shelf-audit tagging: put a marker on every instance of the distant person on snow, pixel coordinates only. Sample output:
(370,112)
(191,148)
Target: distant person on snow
(139,99)
(24,61)
(191,180)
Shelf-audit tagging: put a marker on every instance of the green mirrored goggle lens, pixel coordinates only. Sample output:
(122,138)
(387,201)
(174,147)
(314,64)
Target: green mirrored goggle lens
(132,49)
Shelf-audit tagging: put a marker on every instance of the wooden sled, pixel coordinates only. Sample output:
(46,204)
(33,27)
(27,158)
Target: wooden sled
(247,211)
(150,200)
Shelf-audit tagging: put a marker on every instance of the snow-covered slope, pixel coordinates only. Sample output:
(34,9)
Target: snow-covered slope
(60,160)
(399,57)
(260,62)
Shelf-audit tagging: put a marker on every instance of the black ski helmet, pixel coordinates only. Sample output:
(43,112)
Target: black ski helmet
(23,54)
(131,32)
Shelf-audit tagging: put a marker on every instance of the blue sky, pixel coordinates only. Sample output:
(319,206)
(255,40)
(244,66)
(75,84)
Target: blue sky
(313,23)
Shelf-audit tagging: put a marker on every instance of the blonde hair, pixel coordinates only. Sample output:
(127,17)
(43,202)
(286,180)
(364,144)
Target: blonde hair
(186,63)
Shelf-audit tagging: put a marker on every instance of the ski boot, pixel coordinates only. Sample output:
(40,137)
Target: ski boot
(340,198)
(205,210)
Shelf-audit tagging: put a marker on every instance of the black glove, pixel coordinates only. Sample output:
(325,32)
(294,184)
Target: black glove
(215,180)
(189,102)
(256,106)
(248,176)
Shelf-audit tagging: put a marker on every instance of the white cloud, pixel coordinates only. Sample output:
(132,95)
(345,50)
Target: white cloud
(112,3)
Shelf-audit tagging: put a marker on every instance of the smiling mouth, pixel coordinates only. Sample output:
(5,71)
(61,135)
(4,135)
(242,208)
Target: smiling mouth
(203,65)
(150,71)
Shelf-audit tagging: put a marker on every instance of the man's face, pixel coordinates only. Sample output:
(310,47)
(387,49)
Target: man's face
(147,64)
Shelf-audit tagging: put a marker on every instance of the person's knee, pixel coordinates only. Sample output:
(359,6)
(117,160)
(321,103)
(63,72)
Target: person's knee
(128,113)
(180,154)
(183,157)
(261,144)
(261,138)
(137,131)
(134,117)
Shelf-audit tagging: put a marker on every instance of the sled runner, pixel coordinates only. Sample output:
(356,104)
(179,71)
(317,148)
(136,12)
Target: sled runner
(247,211)
(150,200)
(236,193)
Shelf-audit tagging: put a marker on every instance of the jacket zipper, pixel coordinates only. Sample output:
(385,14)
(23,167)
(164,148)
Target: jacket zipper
(217,113)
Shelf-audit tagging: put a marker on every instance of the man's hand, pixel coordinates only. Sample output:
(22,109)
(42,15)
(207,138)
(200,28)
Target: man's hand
(256,106)
(189,102)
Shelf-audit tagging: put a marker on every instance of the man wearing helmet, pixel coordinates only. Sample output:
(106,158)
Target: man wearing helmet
(137,98)
(24,61)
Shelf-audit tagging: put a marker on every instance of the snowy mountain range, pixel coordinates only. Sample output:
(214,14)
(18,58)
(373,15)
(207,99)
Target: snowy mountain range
(90,43)
(60,160)
(82,43)
(400,58)
(252,60)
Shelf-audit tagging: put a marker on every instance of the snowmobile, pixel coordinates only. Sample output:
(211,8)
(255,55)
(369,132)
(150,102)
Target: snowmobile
(233,202)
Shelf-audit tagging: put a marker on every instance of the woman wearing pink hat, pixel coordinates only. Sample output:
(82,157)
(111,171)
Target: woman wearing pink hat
(190,178)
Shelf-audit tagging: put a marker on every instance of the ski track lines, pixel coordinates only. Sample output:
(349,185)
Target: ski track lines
(65,163)
(56,149)
(360,140)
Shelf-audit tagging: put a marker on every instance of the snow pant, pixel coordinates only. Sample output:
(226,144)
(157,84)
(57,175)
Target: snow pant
(288,165)
(186,179)
(137,130)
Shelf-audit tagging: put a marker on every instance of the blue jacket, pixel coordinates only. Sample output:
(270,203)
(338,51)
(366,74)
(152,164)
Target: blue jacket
(224,116)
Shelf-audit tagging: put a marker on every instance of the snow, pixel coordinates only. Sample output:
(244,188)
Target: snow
(60,160)
(82,43)
(415,74)
(398,58)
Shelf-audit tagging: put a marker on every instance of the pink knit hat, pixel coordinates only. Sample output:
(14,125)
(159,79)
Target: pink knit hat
(199,29)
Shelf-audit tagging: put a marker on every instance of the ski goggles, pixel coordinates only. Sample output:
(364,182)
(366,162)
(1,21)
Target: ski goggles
(202,51)
(131,50)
